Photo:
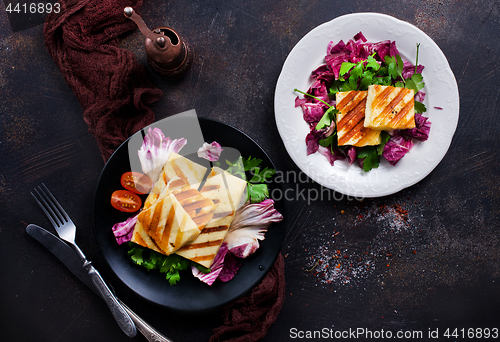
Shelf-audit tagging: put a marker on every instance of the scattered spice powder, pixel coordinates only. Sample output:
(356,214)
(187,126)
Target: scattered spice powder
(349,265)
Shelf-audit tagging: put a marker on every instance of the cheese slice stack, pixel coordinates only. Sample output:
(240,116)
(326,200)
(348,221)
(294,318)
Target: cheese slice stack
(165,226)
(389,108)
(178,172)
(226,191)
(175,211)
(350,120)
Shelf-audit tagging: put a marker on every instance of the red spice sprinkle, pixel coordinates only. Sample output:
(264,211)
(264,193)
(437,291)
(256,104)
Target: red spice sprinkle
(345,256)
(414,251)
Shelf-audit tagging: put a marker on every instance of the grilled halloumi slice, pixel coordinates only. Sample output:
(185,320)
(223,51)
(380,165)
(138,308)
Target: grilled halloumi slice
(165,226)
(198,207)
(177,173)
(389,108)
(227,192)
(350,120)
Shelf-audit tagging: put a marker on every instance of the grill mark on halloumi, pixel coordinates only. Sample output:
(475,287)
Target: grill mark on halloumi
(206,188)
(152,226)
(389,108)
(388,113)
(201,245)
(352,124)
(167,230)
(211,230)
(347,99)
(197,206)
(350,120)
(179,173)
(399,118)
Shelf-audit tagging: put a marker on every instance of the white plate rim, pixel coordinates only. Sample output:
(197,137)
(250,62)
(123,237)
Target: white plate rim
(441,91)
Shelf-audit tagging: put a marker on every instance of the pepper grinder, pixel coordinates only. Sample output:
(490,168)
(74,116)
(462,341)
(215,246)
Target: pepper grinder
(168,54)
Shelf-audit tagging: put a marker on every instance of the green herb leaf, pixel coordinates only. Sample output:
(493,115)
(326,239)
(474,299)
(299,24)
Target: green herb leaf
(370,157)
(420,107)
(257,189)
(415,82)
(170,265)
(257,192)
(345,67)
(384,136)
(327,118)
(201,268)
(356,72)
(372,63)
(328,141)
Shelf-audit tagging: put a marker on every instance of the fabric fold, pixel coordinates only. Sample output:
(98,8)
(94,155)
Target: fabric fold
(108,81)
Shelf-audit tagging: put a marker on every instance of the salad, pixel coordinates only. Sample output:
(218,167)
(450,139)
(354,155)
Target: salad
(359,65)
(228,234)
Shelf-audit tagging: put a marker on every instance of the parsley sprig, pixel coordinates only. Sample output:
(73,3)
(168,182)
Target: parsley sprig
(170,265)
(250,169)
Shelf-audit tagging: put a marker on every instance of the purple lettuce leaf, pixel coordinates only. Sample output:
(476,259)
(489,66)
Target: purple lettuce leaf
(215,269)
(331,157)
(396,148)
(230,268)
(123,231)
(421,129)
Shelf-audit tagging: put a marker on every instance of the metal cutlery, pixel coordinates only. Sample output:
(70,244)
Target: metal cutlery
(66,230)
(68,257)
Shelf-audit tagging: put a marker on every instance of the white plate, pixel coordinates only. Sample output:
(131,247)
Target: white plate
(440,87)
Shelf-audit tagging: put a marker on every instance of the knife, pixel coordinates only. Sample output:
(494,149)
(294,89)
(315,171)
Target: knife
(69,258)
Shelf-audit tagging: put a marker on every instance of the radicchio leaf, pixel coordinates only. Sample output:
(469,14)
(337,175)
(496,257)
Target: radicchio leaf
(421,130)
(210,151)
(312,141)
(396,148)
(231,266)
(123,231)
(332,157)
(155,151)
(215,269)
(250,224)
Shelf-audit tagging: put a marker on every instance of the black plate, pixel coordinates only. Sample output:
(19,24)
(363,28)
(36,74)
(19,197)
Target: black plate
(190,294)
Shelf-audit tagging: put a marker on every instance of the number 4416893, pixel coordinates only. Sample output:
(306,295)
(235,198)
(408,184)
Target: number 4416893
(472,333)
(33,8)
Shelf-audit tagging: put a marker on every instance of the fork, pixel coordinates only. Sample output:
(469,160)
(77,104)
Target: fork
(66,230)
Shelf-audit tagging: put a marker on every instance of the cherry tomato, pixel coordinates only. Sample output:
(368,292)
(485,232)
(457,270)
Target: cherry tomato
(136,182)
(126,201)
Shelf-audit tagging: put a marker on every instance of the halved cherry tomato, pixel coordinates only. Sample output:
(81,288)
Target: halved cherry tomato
(136,182)
(126,201)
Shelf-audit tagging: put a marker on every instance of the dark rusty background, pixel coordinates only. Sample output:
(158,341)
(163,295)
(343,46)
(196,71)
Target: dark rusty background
(427,257)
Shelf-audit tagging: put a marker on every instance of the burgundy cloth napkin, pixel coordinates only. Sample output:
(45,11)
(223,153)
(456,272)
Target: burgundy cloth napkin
(115,95)
(110,84)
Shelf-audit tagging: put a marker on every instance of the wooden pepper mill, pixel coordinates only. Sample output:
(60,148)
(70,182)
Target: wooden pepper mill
(168,54)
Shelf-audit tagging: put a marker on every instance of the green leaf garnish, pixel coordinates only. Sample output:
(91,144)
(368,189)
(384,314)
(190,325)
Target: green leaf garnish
(384,136)
(420,107)
(327,118)
(257,189)
(171,265)
(370,156)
